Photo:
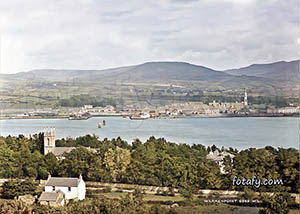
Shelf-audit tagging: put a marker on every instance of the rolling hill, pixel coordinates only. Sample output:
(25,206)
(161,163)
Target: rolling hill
(262,77)
(281,71)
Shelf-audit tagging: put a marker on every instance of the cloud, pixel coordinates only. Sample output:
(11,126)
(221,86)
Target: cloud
(90,34)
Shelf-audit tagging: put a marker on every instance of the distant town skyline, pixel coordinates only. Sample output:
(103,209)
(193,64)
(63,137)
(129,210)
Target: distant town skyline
(89,34)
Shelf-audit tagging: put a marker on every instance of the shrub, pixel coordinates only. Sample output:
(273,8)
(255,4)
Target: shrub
(12,189)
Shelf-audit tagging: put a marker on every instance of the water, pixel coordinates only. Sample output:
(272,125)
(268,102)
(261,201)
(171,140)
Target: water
(238,133)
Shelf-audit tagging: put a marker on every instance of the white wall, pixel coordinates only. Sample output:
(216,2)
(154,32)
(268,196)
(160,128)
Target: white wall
(68,194)
(81,190)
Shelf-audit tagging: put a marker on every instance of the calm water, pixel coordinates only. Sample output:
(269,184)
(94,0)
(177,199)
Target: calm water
(228,132)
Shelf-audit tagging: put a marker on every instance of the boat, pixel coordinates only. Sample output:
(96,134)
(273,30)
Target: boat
(78,118)
(140,117)
(84,116)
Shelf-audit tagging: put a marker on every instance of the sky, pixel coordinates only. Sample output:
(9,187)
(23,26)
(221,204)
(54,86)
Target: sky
(99,34)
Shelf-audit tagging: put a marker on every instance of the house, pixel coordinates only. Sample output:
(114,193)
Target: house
(49,145)
(72,188)
(53,199)
(218,157)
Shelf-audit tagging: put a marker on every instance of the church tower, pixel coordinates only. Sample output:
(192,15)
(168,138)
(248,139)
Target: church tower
(246,98)
(49,140)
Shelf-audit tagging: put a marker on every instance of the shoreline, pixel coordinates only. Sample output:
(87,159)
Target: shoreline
(179,117)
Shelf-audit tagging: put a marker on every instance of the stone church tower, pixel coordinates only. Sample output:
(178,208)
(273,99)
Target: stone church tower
(49,140)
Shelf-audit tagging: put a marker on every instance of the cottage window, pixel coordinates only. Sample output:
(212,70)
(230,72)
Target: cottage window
(69,189)
(53,188)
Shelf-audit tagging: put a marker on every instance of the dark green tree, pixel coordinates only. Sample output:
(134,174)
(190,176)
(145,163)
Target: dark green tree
(12,189)
(277,204)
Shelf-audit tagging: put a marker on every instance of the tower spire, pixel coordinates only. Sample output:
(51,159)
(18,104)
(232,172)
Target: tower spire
(49,140)
(246,98)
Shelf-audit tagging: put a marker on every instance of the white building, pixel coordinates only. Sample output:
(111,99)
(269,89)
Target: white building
(218,157)
(72,188)
(288,110)
(88,106)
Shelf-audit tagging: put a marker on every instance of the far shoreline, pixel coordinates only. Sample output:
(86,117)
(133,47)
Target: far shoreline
(202,116)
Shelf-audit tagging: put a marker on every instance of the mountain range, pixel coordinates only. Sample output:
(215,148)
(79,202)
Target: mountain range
(280,74)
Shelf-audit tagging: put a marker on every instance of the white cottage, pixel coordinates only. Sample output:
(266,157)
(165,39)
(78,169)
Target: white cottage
(72,188)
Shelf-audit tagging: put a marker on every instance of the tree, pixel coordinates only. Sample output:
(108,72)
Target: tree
(12,189)
(8,163)
(276,204)
(116,161)
(37,142)
(132,203)
(51,164)
(76,162)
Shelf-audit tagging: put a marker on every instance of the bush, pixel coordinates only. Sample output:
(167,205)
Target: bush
(12,189)
(186,193)
(276,204)
(107,189)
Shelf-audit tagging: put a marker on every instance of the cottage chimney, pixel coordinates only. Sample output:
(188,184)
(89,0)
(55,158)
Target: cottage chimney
(49,175)
(80,177)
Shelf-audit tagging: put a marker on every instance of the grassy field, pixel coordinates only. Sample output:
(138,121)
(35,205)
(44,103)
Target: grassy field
(147,197)
(216,209)
(220,209)
(206,209)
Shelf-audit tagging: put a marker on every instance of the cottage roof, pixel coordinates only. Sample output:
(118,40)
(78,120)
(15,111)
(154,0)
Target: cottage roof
(62,182)
(58,151)
(50,196)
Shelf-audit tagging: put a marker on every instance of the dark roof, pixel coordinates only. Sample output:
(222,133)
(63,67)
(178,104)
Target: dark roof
(50,196)
(62,182)
(58,151)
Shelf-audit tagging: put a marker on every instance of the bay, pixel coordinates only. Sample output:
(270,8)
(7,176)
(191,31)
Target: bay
(240,133)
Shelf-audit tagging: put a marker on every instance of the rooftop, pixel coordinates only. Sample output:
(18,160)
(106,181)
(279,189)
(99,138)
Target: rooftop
(50,196)
(59,151)
(62,182)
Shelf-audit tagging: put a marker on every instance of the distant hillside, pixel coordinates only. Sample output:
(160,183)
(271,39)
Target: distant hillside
(281,71)
(147,72)
(264,78)
(162,71)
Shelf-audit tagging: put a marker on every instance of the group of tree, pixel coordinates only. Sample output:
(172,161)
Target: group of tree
(85,99)
(155,162)
(14,188)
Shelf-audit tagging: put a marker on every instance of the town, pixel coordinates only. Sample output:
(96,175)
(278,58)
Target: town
(172,110)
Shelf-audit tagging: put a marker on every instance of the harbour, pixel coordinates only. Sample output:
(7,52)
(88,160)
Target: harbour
(237,132)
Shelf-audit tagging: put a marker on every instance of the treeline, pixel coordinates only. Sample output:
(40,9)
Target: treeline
(154,162)
(85,99)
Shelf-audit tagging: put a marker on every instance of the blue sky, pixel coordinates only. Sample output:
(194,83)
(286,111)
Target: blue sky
(98,34)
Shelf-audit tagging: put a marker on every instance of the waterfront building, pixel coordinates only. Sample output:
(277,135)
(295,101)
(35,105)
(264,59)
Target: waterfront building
(88,106)
(288,110)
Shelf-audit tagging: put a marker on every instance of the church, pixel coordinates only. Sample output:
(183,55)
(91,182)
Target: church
(49,145)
